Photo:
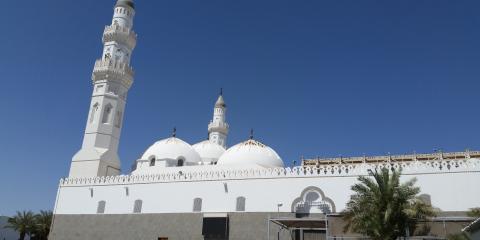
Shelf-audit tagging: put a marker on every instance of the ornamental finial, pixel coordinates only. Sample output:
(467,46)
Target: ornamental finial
(174,133)
(221,91)
(251,133)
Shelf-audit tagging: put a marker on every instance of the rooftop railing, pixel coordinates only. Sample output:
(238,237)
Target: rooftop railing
(392,158)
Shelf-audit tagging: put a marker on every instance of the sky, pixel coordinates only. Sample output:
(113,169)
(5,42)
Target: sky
(312,78)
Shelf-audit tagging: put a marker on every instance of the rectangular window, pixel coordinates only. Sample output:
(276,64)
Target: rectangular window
(101,207)
(137,208)
(197,205)
(240,204)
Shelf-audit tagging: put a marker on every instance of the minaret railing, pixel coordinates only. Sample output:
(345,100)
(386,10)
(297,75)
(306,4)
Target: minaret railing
(120,34)
(112,70)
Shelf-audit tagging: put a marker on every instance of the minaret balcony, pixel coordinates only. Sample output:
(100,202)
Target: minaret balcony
(108,69)
(123,35)
(218,127)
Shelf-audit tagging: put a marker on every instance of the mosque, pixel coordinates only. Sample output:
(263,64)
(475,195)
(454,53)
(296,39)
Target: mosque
(211,191)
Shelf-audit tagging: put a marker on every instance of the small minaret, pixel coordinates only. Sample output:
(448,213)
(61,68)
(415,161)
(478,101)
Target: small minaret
(218,127)
(112,77)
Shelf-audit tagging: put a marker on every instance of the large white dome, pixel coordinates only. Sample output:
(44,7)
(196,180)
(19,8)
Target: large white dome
(172,149)
(251,152)
(209,151)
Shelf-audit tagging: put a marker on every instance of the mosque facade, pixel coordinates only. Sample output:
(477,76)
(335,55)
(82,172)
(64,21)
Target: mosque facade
(210,191)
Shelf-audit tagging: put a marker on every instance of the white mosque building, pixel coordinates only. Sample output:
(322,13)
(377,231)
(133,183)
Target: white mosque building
(211,191)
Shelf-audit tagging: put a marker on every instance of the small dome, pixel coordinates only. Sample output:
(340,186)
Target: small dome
(251,152)
(124,3)
(172,149)
(209,151)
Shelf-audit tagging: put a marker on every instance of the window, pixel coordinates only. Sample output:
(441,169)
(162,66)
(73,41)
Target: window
(180,162)
(94,112)
(107,114)
(197,205)
(137,207)
(101,207)
(240,204)
(152,162)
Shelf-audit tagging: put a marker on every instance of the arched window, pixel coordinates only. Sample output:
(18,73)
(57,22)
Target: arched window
(152,162)
(240,204)
(107,114)
(94,112)
(180,162)
(197,205)
(101,207)
(137,206)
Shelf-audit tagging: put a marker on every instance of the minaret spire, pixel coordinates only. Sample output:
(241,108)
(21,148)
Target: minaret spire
(112,77)
(218,127)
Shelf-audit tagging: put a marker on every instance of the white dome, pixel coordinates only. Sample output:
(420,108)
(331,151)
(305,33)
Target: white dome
(209,151)
(251,152)
(172,149)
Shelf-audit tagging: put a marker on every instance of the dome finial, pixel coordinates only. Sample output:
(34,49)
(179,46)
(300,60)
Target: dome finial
(251,133)
(221,91)
(174,133)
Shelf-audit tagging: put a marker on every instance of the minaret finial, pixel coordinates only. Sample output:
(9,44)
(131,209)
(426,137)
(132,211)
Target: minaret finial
(251,133)
(221,91)
(174,133)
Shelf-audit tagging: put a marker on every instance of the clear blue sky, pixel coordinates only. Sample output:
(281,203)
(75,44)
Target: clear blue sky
(313,78)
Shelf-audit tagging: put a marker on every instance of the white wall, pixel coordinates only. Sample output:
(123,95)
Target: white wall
(454,189)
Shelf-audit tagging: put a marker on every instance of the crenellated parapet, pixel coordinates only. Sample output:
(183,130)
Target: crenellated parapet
(333,170)
(119,34)
(108,69)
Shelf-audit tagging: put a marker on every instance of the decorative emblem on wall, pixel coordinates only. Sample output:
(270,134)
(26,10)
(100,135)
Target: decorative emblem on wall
(313,200)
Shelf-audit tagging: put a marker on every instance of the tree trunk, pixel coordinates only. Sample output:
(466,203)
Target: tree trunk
(22,236)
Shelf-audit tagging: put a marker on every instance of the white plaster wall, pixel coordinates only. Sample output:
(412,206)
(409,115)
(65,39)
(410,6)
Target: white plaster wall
(449,192)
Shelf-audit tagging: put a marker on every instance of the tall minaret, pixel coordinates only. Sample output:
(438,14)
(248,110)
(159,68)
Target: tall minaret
(112,77)
(218,127)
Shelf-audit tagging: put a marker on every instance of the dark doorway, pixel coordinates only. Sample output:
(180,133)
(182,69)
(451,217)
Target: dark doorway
(215,228)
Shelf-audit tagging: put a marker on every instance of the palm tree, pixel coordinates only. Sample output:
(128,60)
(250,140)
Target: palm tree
(474,212)
(43,220)
(23,222)
(383,208)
